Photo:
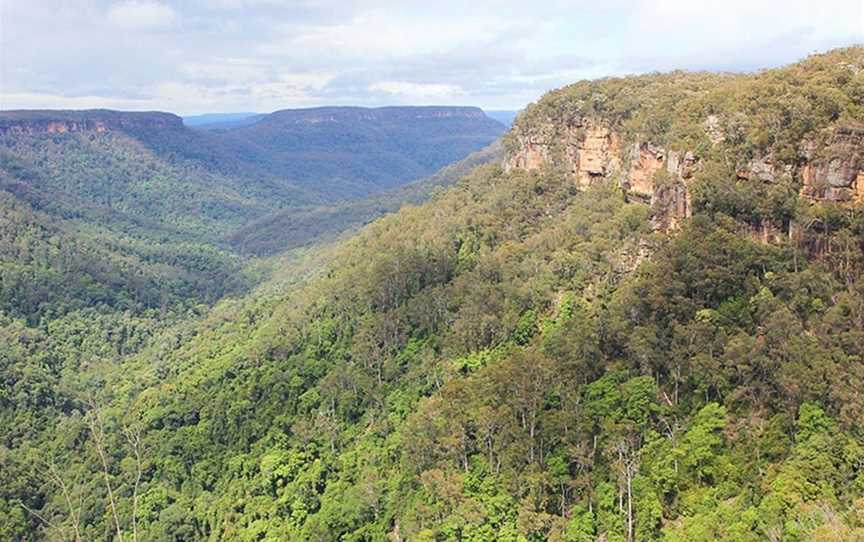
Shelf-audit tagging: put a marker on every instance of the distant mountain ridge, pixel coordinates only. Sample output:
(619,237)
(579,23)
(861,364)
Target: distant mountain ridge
(504,117)
(100,120)
(349,152)
(152,167)
(289,228)
(351,113)
(143,191)
(226,121)
(221,120)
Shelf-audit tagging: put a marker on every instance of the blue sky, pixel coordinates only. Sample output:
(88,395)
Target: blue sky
(196,56)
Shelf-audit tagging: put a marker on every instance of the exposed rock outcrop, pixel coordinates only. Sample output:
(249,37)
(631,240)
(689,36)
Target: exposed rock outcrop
(836,171)
(591,151)
(97,120)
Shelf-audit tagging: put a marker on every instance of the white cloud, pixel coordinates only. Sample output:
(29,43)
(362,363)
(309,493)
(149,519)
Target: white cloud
(236,70)
(35,100)
(384,34)
(743,34)
(142,14)
(258,54)
(290,89)
(416,90)
(311,80)
(287,90)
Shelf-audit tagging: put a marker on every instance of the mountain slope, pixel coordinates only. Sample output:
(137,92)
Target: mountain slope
(51,267)
(353,151)
(206,184)
(538,353)
(290,228)
(143,165)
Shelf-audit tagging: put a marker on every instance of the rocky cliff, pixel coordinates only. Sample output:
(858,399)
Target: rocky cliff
(655,140)
(589,150)
(96,120)
(835,172)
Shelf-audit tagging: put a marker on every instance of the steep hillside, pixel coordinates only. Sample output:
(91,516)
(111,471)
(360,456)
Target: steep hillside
(290,228)
(347,152)
(687,142)
(205,184)
(146,166)
(51,267)
(559,349)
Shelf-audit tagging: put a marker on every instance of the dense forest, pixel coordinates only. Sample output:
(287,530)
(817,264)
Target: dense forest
(295,227)
(522,357)
(208,183)
(135,212)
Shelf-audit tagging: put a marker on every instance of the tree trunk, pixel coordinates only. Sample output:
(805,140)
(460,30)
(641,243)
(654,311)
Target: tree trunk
(95,424)
(629,504)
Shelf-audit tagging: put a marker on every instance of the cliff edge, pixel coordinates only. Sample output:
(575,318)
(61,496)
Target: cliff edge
(674,139)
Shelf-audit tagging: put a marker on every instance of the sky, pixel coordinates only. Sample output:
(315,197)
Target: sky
(197,56)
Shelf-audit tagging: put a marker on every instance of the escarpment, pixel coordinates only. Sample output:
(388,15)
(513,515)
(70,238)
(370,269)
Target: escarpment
(591,152)
(97,120)
(661,137)
(836,172)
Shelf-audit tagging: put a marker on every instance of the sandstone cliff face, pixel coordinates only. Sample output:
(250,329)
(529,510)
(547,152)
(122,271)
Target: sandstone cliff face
(60,122)
(591,151)
(836,172)
(588,149)
(50,127)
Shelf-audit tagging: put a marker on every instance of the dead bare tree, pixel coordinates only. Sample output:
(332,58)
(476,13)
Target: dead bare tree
(94,423)
(48,523)
(133,436)
(628,462)
(74,513)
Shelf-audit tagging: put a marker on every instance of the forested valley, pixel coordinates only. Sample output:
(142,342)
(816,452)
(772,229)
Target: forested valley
(640,317)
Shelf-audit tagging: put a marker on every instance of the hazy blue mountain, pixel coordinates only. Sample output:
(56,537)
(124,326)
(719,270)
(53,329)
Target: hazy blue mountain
(215,121)
(210,118)
(149,175)
(504,117)
(289,228)
(347,152)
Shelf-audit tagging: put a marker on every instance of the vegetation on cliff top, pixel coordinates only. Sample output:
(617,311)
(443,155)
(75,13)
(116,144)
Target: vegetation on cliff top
(768,111)
(207,184)
(782,118)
